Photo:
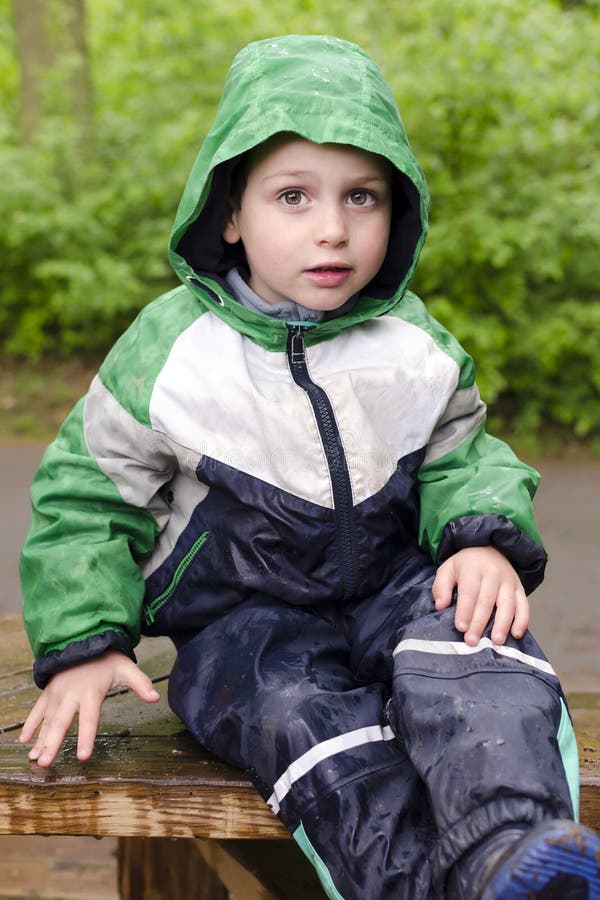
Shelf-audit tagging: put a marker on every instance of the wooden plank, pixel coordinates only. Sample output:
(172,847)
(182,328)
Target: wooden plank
(169,786)
(164,786)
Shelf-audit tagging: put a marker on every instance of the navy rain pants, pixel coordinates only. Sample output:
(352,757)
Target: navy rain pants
(387,746)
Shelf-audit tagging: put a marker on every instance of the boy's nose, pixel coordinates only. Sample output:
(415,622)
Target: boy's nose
(331,227)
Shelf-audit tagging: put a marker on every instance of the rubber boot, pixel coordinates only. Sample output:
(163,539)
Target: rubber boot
(556,860)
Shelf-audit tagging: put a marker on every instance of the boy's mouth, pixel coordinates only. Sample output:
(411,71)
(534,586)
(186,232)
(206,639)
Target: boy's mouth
(328,275)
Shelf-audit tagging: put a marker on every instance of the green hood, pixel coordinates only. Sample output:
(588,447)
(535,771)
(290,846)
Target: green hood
(328,91)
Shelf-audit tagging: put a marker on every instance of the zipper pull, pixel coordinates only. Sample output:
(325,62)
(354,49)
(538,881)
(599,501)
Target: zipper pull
(297,347)
(296,341)
(148,616)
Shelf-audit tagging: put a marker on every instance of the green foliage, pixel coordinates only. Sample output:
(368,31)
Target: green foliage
(505,123)
(501,101)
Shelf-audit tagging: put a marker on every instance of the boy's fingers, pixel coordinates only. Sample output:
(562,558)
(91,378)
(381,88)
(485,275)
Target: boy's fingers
(54,712)
(521,622)
(443,586)
(33,720)
(89,716)
(505,614)
(468,593)
(53,737)
(40,740)
(39,744)
(485,601)
(465,605)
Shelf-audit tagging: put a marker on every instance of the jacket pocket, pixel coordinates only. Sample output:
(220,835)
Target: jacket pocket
(152,609)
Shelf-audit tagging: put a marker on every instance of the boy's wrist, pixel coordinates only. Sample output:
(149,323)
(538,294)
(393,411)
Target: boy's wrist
(525,554)
(80,651)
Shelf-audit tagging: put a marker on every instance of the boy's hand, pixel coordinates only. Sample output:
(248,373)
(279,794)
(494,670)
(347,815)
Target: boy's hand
(484,579)
(80,691)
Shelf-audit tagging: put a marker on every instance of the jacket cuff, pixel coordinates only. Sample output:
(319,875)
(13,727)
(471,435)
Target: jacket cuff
(527,556)
(80,652)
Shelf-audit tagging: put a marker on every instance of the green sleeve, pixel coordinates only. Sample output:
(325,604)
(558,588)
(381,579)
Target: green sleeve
(481,476)
(78,569)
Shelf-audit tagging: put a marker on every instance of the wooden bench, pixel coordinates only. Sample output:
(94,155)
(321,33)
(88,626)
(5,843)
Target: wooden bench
(187,824)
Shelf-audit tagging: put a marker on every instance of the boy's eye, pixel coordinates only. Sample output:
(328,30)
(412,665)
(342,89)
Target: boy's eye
(361,197)
(291,198)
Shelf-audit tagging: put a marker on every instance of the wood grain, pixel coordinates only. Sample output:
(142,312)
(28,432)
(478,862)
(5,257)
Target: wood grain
(157,786)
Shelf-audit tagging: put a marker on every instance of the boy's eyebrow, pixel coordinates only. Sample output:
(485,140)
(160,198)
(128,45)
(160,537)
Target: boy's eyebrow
(364,178)
(287,173)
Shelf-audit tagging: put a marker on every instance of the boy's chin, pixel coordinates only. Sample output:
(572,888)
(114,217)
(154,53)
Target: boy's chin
(324,304)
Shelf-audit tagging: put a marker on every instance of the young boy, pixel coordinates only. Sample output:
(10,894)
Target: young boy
(283,466)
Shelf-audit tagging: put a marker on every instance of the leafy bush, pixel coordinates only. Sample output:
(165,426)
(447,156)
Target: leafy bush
(505,123)
(501,103)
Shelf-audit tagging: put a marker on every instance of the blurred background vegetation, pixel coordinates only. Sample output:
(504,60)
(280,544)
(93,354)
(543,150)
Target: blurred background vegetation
(104,104)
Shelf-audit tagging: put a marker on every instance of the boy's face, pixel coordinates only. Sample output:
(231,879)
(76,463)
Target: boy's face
(314,220)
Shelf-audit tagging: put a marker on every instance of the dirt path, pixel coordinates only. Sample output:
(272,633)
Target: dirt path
(566,613)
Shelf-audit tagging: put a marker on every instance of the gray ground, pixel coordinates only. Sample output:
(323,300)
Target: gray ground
(565,608)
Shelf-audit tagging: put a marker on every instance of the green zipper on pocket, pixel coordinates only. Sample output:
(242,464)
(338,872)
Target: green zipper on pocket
(153,608)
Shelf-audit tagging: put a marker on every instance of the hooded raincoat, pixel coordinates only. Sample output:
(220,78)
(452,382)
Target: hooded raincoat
(275,495)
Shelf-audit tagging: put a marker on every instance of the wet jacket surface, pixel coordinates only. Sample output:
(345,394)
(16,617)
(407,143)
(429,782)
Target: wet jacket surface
(222,455)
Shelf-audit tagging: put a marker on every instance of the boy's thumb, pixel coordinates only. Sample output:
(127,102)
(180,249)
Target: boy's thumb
(150,694)
(143,687)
